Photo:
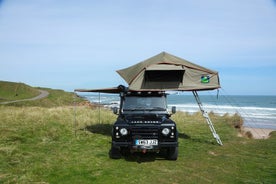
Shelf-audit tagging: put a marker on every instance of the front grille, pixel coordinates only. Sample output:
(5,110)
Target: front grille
(144,132)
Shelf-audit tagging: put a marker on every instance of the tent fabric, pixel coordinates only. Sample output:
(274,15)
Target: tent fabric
(164,67)
(168,72)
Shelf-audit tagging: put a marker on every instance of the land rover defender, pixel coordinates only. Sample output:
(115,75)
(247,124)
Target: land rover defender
(144,125)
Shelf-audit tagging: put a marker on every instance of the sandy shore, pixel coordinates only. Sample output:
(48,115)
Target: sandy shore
(258,133)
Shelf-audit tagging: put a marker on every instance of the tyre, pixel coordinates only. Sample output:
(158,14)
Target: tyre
(172,153)
(114,153)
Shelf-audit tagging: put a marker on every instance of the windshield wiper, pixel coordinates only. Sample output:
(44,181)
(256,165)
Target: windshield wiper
(134,109)
(145,109)
(156,109)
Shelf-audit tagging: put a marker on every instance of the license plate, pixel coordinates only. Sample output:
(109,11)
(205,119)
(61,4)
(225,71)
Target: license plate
(146,142)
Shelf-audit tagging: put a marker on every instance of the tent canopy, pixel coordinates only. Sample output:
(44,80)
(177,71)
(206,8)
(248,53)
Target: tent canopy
(167,72)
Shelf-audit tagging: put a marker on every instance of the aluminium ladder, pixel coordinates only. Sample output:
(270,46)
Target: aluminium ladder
(207,118)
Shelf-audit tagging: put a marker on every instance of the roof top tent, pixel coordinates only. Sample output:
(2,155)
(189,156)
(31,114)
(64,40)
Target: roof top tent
(166,72)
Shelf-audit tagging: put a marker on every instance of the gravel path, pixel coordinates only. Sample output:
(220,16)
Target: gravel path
(43,94)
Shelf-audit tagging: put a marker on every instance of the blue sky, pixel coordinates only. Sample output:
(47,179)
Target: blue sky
(80,44)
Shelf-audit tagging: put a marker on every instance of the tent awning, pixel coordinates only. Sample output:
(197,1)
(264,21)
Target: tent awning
(118,89)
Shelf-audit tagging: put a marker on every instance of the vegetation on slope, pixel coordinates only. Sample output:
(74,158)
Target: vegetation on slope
(39,145)
(10,91)
(15,91)
(55,98)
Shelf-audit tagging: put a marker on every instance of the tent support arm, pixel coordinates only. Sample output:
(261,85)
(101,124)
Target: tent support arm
(75,114)
(207,118)
(100,121)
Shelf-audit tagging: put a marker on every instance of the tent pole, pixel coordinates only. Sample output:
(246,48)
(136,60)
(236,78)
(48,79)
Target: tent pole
(207,118)
(100,108)
(75,113)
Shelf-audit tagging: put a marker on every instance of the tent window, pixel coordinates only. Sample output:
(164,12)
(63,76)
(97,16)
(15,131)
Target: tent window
(164,75)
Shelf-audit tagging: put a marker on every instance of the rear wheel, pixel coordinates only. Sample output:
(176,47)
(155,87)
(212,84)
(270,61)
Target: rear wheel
(172,153)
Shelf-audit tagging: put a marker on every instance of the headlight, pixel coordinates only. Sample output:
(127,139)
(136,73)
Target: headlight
(123,131)
(165,131)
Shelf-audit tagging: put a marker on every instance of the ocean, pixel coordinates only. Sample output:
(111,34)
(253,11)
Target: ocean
(256,111)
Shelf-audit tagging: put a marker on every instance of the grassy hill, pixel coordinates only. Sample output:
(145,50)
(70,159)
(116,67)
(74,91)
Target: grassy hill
(10,91)
(46,145)
(15,91)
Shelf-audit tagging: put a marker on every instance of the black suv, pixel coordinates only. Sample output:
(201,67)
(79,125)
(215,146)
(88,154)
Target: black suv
(144,125)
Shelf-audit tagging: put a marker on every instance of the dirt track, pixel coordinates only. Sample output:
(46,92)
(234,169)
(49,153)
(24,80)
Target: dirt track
(43,94)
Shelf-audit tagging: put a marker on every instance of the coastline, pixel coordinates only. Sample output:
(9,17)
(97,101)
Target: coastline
(258,133)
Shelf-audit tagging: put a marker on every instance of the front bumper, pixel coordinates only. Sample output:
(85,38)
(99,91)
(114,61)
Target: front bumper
(131,146)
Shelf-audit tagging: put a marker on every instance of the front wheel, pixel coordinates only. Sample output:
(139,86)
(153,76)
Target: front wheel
(114,153)
(172,153)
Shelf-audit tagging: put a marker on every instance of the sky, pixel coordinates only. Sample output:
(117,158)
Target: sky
(70,44)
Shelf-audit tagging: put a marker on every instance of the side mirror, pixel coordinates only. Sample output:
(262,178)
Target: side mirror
(115,110)
(173,109)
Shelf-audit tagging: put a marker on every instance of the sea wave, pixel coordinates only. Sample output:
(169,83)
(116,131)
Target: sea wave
(254,116)
(222,109)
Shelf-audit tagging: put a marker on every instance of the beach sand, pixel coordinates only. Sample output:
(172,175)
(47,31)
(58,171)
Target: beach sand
(258,133)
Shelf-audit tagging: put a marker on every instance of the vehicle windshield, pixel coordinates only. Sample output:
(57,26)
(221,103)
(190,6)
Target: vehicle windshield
(136,103)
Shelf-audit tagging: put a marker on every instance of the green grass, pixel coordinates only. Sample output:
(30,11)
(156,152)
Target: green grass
(40,145)
(15,91)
